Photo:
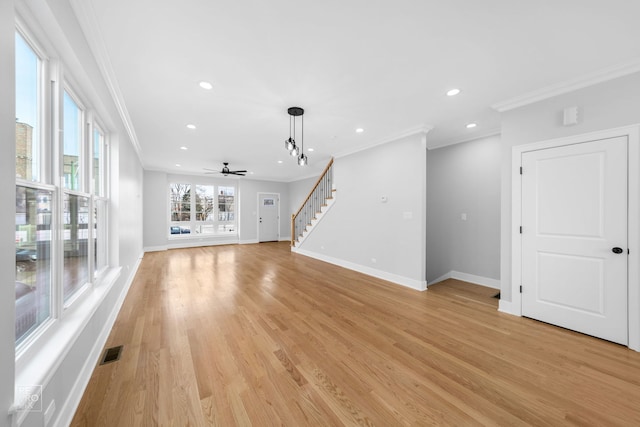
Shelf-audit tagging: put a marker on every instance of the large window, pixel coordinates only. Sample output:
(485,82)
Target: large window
(61,223)
(213,207)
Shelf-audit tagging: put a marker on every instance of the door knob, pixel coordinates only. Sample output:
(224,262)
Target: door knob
(616,250)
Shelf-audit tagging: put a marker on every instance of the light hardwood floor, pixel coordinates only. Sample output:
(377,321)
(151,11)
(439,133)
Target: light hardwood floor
(245,335)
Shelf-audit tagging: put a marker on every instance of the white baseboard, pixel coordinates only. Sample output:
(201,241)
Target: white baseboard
(155,248)
(471,278)
(248,242)
(506,307)
(419,285)
(69,407)
(440,279)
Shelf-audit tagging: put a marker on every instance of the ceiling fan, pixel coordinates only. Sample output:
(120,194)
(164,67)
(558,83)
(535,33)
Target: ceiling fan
(225,170)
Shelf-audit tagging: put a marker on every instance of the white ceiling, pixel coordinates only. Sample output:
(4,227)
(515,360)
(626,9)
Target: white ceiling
(380,65)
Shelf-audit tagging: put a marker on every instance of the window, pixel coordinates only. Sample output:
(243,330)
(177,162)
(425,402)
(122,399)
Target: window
(76,244)
(61,230)
(33,259)
(180,209)
(213,207)
(28,99)
(98,161)
(72,143)
(226,210)
(34,201)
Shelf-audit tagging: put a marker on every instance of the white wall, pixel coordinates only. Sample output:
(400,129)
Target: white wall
(606,105)
(155,203)
(7,215)
(64,379)
(249,190)
(156,206)
(360,231)
(464,179)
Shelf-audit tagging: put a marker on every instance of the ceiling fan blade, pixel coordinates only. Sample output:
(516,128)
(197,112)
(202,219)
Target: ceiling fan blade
(212,170)
(241,171)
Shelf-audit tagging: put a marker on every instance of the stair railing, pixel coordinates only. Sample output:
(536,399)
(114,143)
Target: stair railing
(312,205)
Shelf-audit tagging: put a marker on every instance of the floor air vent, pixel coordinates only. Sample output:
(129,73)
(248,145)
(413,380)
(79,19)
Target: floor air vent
(111,355)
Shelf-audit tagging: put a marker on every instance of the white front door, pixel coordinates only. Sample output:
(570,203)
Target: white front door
(268,212)
(574,237)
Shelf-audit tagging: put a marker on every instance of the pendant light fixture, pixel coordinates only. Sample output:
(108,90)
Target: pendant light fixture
(290,144)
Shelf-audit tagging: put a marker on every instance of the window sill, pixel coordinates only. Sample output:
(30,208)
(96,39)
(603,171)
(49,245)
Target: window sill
(39,360)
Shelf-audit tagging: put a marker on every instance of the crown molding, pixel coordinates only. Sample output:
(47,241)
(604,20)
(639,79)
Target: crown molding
(89,24)
(487,134)
(583,81)
(417,130)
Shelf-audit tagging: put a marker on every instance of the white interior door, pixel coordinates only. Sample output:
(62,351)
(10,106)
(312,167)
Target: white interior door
(574,237)
(268,211)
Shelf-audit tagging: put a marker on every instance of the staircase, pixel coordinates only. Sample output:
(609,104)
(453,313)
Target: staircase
(314,206)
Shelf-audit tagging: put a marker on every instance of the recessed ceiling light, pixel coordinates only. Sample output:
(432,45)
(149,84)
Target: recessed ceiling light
(178,164)
(471,125)
(184,148)
(206,85)
(359,130)
(453,92)
(279,161)
(190,126)
(250,173)
(310,149)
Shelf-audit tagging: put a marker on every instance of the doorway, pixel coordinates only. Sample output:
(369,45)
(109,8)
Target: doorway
(268,217)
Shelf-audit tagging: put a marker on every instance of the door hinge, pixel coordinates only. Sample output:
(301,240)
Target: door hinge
(520,288)
(520,229)
(520,170)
